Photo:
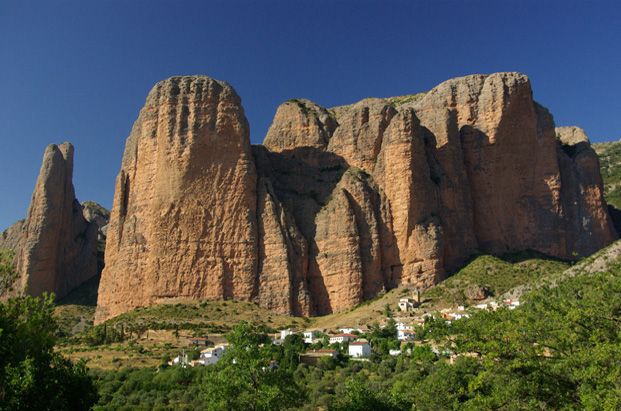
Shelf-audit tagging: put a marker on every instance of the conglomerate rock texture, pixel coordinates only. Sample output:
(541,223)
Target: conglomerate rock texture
(184,217)
(56,248)
(341,204)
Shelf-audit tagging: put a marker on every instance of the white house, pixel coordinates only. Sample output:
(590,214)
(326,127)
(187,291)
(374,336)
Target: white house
(403,327)
(359,349)
(348,330)
(310,336)
(212,355)
(285,333)
(181,359)
(340,338)
(407,304)
(405,335)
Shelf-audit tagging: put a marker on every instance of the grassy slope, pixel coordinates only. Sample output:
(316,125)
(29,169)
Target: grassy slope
(157,337)
(499,275)
(156,332)
(597,262)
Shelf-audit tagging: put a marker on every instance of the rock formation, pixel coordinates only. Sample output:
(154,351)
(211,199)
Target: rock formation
(95,213)
(183,222)
(56,247)
(588,220)
(341,204)
(11,237)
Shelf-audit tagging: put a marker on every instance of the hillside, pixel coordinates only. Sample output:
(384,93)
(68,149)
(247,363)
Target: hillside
(559,350)
(497,275)
(160,331)
(142,337)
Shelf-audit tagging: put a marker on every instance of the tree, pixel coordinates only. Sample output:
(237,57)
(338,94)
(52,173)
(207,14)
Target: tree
(356,396)
(32,375)
(248,378)
(292,346)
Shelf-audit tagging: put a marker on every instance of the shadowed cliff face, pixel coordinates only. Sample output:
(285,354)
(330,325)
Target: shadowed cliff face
(341,204)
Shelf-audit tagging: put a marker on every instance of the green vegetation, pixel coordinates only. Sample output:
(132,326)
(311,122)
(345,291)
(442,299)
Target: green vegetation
(210,316)
(246,378)
(249,376)
(556,352)
(560,350)
(75,312)
(499,275)
(32,375)
(301,104)
(8,275)
(408,98)
(141,338)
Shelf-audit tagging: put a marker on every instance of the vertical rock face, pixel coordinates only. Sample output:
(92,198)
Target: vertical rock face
(283,263)
(403,172)
(341,204)
(58,248)
(358,138)
(471,166)
(183,222)
(500,185)
(589,226)
(300,123)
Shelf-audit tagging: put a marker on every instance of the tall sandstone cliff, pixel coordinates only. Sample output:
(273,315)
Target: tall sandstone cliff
(341,204)
(55,247)
(184,217)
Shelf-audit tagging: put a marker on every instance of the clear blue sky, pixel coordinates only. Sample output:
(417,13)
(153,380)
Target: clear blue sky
(80,70)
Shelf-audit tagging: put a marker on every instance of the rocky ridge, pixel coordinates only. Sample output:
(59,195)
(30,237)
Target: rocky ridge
(341,204)
(55,247)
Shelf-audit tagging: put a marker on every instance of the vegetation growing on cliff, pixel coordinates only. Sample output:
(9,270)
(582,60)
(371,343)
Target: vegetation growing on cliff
(8,275)
(408,98)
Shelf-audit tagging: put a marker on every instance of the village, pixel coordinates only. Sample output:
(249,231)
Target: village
(351,342)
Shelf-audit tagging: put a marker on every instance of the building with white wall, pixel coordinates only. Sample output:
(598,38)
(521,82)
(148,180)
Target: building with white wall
(359,349)
(341,338)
